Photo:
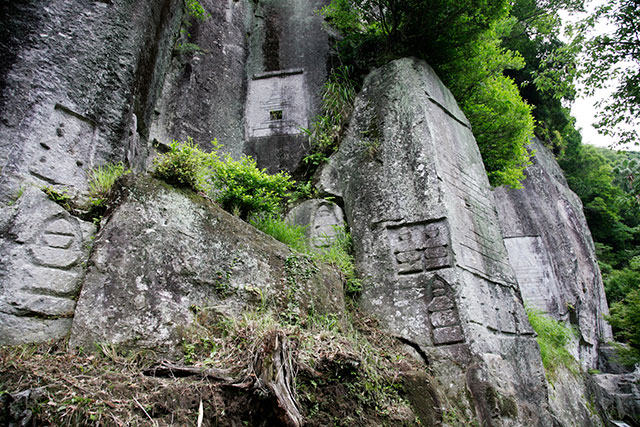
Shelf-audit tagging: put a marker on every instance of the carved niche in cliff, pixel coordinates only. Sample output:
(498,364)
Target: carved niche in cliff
(276,113)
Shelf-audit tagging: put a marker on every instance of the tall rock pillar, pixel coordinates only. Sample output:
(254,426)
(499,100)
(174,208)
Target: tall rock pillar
(428,244)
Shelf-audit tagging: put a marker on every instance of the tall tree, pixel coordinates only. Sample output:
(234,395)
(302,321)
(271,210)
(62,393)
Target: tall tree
(615,54)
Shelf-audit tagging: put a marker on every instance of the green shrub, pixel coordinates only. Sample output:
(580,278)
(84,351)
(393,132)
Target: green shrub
(240,187)
(237,185)
(291,235)
(553,338)
(185,165)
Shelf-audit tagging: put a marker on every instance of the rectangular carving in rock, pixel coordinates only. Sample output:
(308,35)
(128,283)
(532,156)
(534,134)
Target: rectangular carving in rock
(443,314)
(276,104)
(420,247)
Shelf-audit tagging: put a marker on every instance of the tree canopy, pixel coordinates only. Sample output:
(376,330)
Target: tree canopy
(615,54)
(461,40)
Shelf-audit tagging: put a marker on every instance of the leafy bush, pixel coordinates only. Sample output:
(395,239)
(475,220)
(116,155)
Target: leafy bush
(185,165)
(625,319)
(243,189)
(553,338)
(237,185)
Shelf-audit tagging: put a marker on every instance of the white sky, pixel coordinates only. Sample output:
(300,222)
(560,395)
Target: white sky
(584,109)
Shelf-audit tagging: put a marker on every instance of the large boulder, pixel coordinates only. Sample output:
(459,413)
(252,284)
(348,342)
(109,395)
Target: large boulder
(552,253)
(429,248)
(44,250)
(164,254)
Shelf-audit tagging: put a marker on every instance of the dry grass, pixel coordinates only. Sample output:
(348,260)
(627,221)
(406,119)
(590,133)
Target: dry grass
(344,375)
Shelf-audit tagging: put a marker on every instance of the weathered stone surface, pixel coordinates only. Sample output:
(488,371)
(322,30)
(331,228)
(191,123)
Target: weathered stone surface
(204,93)
(41,269)
(285,36)
(78,84)
(617,395)
(570,401)
(552,253)
(164,252)
(322,219)
(428,244)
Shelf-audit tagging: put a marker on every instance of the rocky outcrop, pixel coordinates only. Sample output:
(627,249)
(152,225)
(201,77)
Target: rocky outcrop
(78,83)
(204,93)
(617,395)
(251,75)
(44,250)
(429,248)
(164,254)
(552,253)
(323,221)
(286,69)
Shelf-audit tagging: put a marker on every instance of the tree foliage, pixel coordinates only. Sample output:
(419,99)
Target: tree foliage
(461,40)
(615,54)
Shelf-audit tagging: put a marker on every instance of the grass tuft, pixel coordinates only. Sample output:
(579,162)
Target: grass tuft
(553,338)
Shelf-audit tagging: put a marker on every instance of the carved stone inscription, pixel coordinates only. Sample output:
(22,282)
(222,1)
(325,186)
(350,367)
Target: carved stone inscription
(443,314)
(420,247)
(276,104)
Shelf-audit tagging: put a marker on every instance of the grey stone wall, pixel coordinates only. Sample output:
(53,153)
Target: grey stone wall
(287,35)
(552,253)
(78,82)
(204,93)
(429,248)
(164,252)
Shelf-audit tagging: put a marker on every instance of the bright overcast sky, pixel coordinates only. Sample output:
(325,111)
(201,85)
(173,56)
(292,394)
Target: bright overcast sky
(584,109)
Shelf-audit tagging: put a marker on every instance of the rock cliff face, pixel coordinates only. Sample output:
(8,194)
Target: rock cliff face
(428,244)
(119,77)
(552,253)
(75,93)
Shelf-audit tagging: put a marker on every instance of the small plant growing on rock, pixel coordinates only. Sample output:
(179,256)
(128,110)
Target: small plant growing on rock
(102,178)
(185,165)
(60,197)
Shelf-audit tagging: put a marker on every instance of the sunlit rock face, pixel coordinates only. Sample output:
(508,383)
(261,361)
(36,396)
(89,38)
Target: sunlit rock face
(429,247)
(552,253)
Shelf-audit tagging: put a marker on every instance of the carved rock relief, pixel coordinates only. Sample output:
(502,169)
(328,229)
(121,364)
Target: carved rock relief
(66,150)
(443,314)
(42,271)
(276,104)
(420,247)
(326,221)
